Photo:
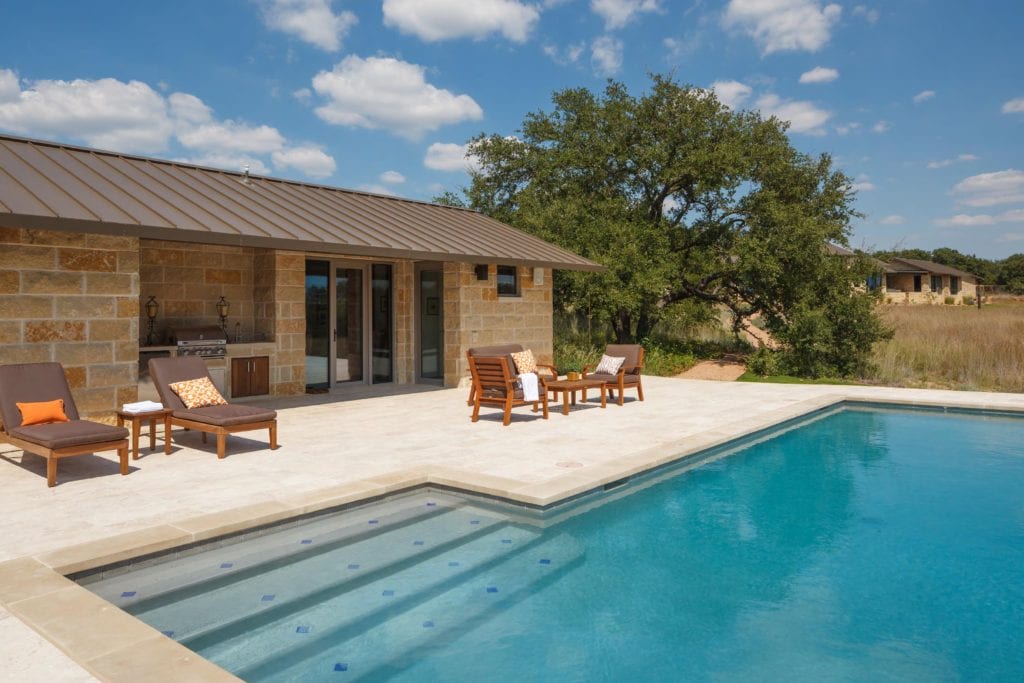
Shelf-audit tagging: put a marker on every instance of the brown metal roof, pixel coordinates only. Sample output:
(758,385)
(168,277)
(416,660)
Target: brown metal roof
(907,265)
(51,186)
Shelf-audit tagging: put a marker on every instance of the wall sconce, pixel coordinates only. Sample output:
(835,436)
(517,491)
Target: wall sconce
(223,310)
(538,276)
(152,308)
(481,271)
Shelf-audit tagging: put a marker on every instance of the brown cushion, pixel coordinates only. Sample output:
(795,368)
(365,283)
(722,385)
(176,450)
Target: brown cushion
(227,415)
(31,382)
(631,352)
(73,433)
(494,392)
(614,379)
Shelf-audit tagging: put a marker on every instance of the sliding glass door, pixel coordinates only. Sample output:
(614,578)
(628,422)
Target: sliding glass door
(430,323)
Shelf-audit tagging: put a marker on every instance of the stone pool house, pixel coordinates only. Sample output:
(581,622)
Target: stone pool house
(314,287)
(912,281)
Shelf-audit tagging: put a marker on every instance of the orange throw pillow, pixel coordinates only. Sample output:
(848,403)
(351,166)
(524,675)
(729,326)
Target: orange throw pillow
(42,412)
(198,393)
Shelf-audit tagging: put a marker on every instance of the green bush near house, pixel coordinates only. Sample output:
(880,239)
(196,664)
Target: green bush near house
(950,300)
(968,301)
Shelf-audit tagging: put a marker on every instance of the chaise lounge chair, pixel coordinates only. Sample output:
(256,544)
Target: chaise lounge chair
(59,433)
(628,376)
(221,419)
(505,350)
(495,384)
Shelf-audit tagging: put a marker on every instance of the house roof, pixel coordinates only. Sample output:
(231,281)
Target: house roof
(906,265)
(52,186)
(836,250)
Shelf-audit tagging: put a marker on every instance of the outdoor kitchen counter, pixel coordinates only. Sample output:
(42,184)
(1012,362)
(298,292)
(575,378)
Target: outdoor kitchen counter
(260,348)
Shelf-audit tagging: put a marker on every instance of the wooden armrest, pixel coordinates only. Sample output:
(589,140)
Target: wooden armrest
(549,368)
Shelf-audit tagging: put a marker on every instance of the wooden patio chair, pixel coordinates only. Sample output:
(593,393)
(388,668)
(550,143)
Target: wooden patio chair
(628,376)
(506,350)
(495,384)
(214,419)
(35,383)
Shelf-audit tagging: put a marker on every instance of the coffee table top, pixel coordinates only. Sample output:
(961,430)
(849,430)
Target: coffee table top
(574,384)
(156,412)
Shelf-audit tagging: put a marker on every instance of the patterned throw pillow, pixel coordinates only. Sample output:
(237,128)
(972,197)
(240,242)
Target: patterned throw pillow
(609,365)
(198,393)
(525,362)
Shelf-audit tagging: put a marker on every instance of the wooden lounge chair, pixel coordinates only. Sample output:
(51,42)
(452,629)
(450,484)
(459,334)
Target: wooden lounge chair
(38,382)
(495,384)
(220,419)
(628,376)
(506,350)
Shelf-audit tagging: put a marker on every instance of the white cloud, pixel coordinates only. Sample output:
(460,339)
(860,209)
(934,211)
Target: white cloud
(606,55)
(880,127)
(1010,237)
(312,21)
(781,25)
(871,15)
(9,88)
(945,163)
(383,92)
(962,220)
(229,162)
(570,54)
(989,189)
(893,219)
(966,157)
(449,156)
(618,13)
(731,93)
(819,74)
(392,178)
(923,96)
(303,95)
(377,189)
(1014,106)
(308,159)
(862,183)
(803,117)
(847,128)
(229,136)
(435,20)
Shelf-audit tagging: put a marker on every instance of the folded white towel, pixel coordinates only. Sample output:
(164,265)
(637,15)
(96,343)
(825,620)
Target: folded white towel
(528,380)
(142,407)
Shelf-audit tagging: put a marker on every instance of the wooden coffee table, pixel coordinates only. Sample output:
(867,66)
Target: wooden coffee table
(150,416)
(569,387)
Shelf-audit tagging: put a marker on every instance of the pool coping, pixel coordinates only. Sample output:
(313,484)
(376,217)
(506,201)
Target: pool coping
(112,645)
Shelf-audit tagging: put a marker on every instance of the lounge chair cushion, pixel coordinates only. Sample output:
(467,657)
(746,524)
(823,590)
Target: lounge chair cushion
(198,393)
(614,379)
(55,435)
(609,365)
(495,392)
(631,352)
(29,382)
(524,361)
(226,415)
(42,412)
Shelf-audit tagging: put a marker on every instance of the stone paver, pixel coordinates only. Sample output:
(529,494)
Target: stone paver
(328,444)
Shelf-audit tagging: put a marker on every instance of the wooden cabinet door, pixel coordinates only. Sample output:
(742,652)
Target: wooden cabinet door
(260,378)
(250,376)
(240,385)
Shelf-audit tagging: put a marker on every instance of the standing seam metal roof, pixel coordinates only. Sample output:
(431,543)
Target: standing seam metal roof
(48,185)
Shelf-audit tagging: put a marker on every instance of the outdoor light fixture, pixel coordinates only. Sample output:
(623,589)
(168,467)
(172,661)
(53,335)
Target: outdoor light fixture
(538,276)
(223,310)
(152,308)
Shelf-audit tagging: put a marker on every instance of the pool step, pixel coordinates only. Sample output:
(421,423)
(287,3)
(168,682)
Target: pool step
(375,632)
(206,618)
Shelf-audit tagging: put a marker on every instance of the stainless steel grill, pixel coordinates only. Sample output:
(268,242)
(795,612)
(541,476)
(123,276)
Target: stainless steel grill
(207,342)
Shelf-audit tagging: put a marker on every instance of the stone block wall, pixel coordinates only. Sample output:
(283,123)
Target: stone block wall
(189,279)
(288,366)
(476,316)
(403,288)
(74,299)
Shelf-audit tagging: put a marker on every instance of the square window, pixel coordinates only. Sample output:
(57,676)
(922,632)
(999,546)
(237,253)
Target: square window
(508,281)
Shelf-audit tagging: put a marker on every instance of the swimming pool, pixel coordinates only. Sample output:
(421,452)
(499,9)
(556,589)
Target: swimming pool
(866,544)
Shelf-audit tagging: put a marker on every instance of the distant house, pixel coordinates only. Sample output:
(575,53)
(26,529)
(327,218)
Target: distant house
(924,282)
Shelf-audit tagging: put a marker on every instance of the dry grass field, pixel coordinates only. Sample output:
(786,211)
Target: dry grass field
(953,347)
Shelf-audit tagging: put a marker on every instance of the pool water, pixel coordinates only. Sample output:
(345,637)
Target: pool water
(867,544)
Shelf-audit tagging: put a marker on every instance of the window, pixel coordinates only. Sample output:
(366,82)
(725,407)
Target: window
(508,281)
(917,283)
(954,285)
(937,284)
(874,282)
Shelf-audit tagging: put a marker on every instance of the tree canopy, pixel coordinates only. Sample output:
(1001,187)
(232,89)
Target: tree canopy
(683,199)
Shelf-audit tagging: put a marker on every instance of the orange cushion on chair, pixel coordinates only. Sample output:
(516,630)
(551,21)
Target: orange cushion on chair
(42,412)
(198,393)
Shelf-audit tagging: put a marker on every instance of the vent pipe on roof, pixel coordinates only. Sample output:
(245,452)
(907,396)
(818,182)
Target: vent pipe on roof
(245,175)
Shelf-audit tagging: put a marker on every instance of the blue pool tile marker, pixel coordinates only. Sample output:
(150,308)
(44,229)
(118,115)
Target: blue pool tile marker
(388,593)
(128,594)
(306,541)
(431,504)
(267,598)
(169,634)
(302,629)
(545,561)
(341,666)
(428,624)
(453,564)
(474,521)
(417,542)
(506,540)
(492,589)
(227,565)
(353,566)
(372,521)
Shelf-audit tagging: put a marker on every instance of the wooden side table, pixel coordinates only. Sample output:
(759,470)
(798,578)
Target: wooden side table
(569,387)
(150,416)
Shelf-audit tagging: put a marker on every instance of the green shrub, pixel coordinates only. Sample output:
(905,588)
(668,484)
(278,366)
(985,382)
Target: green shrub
(968,301)
(765,362)
(950,300)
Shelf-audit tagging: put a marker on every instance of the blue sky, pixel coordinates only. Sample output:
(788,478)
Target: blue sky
(920,101)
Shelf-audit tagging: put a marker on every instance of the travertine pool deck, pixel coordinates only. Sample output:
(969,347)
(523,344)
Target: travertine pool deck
(332,452)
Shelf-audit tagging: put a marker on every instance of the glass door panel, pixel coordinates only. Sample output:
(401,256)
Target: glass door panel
(318,324)
(431,337)
(381,325)
(348,309)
